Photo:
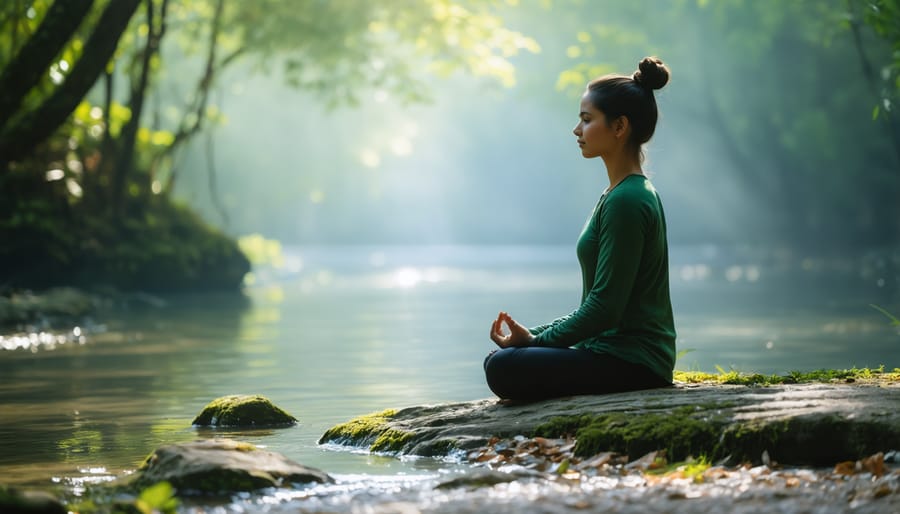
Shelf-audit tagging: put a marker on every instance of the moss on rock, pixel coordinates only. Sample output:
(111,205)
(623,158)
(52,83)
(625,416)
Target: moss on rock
(221,466)
(679,432)
(243,410)
(819,440)
(817,423)
(823,376)
(371,430)
(20,501)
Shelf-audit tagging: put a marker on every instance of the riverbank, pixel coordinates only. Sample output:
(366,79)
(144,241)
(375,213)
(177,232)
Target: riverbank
(828,445)
(805,424)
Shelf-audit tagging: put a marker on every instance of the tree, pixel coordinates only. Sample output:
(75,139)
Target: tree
(18,138)
(118,166)
(780,88)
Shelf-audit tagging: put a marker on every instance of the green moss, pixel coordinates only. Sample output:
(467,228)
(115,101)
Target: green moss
(243,410)
(815,441)
(679,432)
(371,430)
(691,432)
(439,447)
(359,427)
(391,440)
(867,375)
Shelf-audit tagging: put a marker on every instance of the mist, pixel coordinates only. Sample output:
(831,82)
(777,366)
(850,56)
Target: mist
(485,164)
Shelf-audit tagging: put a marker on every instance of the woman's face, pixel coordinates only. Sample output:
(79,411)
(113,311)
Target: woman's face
(595,136)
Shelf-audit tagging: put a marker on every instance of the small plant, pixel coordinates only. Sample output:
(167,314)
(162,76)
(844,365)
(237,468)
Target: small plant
(895,322)
(158,498)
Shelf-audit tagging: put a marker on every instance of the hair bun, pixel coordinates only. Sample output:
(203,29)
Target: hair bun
(651,73)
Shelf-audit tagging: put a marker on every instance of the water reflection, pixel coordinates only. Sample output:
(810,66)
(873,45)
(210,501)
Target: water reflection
(35,341)
(348,331)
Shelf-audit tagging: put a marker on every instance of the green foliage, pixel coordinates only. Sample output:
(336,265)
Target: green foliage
(117,179)
(156,246)
(691,468)
(882,16)
(734,377)
(783,90)
(894,320)
(158,498)
(261,251)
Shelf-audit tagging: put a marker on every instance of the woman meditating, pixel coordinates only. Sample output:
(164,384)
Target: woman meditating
(622,336)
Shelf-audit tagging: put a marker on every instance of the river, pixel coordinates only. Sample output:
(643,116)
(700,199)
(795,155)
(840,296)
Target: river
(341,331)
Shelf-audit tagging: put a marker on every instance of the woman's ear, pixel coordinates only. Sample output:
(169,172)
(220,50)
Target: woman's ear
(621,126)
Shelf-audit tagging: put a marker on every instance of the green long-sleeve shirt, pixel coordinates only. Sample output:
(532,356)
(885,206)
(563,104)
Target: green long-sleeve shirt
(625,307)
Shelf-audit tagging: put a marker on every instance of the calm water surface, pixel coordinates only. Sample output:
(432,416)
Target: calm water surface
(338,332)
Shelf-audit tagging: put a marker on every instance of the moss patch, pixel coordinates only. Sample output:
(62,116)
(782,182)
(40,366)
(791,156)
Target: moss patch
(816,441)
(243,410)
(372,430)
(688,432)
(733,377)
(680,432)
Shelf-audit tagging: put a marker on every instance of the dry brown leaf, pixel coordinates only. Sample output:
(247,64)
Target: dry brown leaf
(882,490)
(847,467)
(874,464)
(485,456)
(597,460)
(644,462)
(716,473)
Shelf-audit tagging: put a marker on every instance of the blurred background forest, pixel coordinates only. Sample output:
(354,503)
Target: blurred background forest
(398,171)
(137,138)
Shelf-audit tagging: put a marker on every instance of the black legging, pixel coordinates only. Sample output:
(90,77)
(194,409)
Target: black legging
(536,373)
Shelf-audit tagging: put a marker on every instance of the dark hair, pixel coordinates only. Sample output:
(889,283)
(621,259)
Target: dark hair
(632,97)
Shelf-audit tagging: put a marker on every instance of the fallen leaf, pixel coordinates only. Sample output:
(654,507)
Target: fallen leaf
(847,467)
(874,464)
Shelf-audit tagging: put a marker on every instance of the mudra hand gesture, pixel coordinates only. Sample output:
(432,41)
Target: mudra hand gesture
(518,335)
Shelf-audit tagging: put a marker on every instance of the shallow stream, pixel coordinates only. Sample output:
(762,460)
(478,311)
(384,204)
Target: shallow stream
(342,331)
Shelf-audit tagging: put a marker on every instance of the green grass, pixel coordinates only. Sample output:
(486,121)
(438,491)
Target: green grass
(734,377)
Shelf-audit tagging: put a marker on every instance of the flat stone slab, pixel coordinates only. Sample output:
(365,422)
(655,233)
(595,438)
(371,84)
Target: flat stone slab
(809,424)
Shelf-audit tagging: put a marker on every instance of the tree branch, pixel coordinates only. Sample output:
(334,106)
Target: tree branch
(128,136)
(19,140)
(30,64)
(871,78)
(187,130)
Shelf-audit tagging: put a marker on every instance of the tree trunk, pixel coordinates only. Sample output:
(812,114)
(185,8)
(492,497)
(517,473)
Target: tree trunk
(30,64)
(19,140)
(188,130)
(124,161)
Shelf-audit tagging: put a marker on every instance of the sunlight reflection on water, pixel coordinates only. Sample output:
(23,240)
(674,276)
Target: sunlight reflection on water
(348,331)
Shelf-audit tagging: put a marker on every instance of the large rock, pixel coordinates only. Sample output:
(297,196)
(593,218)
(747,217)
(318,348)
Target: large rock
(815,424)
(22,501)
(222,466)
(53,306)
(243,411)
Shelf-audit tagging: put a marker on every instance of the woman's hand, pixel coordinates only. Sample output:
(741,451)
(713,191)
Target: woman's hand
(518,334)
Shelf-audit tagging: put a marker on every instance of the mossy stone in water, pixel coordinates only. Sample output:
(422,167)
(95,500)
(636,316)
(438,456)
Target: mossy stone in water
(243,411)
(372,430)
(221,466)
(18,501)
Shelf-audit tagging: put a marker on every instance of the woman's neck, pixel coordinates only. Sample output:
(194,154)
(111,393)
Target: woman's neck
(619,168)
